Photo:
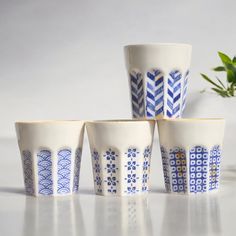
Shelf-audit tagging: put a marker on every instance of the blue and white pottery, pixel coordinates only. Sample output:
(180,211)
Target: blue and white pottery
(158,77)
(121,156)
(191,154)
(51,156)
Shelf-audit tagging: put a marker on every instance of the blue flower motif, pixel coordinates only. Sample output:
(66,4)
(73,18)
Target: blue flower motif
(97,168)
(147,152)
(131,165)
(111,182)
(145,165)
(110,155)
(145,178)
(132,152)
(95,155)
(132,189)
(131,178)
(111,168)
(98,180)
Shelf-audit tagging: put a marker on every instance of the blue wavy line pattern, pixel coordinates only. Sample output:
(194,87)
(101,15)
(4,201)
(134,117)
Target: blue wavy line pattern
(78,155)
(45,182)
(28,172)
(63,171)
(155,93)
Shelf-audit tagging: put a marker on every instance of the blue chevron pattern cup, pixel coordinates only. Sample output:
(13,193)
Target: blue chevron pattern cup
(158,77)
(51,156)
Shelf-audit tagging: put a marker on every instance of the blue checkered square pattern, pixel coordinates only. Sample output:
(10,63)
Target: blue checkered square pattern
(198,169)
(214,172)
(178,169)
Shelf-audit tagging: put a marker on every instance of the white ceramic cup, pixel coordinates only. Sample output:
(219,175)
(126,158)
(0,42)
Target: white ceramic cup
(158,77)
(121,155)
(191,154)
(51,156)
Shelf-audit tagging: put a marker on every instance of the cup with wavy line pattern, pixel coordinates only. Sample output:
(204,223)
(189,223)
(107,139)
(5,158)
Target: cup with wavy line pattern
(158,77)
(51,156)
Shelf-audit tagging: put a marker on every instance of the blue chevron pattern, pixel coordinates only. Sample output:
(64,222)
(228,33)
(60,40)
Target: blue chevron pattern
(63,171)
(137,94)
(155,93)
(174,94)
(214,172)
(28,172)
(45,182)
(185,90)
(77,169)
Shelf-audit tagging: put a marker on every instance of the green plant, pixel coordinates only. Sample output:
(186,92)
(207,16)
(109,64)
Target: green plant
(228,88)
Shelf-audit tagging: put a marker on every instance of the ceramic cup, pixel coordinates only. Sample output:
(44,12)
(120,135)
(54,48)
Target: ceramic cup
(121,155)
(191,154)
(158,77)
(51,156)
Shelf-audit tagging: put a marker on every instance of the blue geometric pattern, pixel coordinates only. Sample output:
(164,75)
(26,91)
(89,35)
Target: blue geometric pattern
(165,166)
(146,168)
(111,179)
(178,169)
(45,182)
(174,94)
(77,169)
(63,171)
(198,169)
(214,172)
(185,90)
(97,171)
(137,94)
(155,93)
(131,166)
(28,172)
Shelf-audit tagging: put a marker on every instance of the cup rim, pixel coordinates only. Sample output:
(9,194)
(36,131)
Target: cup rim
(47,121)
(116,121)
(156,44)
(190,119)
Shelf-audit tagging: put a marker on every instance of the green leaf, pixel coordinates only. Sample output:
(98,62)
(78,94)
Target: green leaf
(210,81)
(221,82)
(220,92)
(224,58)
(234,60)
(230,76)
(219,68)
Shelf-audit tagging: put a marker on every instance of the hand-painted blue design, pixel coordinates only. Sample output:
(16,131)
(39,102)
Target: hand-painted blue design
(174,94)
(111,180)
(137,94)
(97,171)
(155,93)
(215,156)
(45,182)
(198,169)
(146,168)
(166,170)
(28,172)
(178,169)
(78,154)
(186,77)
(131,167)
(63,171)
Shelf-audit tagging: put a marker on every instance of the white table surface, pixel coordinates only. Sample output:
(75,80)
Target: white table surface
(158,213)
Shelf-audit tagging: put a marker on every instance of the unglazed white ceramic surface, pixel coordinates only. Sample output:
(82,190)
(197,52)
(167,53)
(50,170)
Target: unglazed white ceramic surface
(191,151)
(126,147)
(55,139)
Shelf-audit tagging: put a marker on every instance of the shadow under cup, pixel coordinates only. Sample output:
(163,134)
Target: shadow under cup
(158,76)
(51,156)
(191,154)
